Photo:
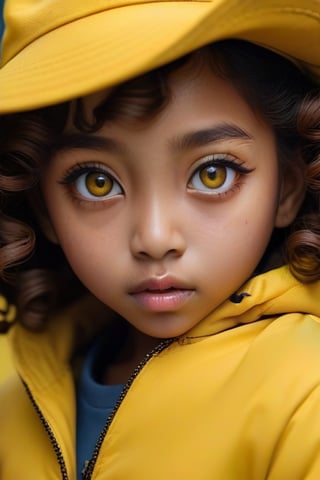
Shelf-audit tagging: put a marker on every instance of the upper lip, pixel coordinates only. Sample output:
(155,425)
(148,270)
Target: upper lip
(156,284)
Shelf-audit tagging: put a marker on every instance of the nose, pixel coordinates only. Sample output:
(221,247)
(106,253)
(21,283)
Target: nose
(157,231)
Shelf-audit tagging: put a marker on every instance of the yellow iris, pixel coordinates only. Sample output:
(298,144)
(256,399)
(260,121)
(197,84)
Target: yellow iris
(98,184)
(213,177)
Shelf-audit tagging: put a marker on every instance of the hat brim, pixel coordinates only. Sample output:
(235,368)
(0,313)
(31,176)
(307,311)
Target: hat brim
(107,48)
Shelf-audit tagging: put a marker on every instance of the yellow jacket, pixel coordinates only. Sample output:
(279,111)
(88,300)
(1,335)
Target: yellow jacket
(237,398)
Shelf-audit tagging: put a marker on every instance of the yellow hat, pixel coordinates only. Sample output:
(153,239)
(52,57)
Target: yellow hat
(55,50)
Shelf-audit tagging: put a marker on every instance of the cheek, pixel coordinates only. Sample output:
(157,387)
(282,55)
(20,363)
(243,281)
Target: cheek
(93,253)
(253,235)
(90,261)
(237,237)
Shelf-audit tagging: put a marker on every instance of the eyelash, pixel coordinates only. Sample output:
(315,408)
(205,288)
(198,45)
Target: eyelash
(231,167)
(80,173)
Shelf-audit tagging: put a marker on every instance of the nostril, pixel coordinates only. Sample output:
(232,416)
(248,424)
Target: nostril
(154,241)
(157,254)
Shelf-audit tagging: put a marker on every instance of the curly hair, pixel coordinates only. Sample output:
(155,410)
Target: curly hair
(33,268)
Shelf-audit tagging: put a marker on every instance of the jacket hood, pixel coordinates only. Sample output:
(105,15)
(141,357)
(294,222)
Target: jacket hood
(276,292)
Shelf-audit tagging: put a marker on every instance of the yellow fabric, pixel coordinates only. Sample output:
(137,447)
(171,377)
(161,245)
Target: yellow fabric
(57,50)
(6,366)
(237,398)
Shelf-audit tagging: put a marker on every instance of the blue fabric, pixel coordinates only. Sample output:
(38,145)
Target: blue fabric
(95,402)
(1,18)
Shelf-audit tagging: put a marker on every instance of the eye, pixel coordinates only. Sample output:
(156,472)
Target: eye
(92,184)
(213,176)
(217,174)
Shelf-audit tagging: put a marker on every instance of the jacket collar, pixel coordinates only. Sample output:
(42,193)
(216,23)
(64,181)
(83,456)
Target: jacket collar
(273,293)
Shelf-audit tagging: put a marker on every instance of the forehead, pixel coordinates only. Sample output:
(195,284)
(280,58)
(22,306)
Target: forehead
(201,107)
(144,98)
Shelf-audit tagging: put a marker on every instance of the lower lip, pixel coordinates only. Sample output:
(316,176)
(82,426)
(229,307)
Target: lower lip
(162,301)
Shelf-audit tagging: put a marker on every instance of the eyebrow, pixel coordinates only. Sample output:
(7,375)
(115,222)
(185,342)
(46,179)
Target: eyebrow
(194,139)
(198,138)
(88,141)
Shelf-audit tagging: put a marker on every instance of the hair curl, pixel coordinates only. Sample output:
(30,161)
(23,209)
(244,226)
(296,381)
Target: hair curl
(279,92)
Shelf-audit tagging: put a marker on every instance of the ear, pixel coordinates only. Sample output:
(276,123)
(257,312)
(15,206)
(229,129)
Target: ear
(292,193)
(42,216)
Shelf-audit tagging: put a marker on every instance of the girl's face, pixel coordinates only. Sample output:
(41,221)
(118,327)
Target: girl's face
(164,219)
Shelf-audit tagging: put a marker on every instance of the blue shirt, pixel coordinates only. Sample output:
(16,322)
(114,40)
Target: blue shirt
(95,402)
(1,18)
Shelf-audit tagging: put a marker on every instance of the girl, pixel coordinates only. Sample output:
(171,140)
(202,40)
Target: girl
(185,200)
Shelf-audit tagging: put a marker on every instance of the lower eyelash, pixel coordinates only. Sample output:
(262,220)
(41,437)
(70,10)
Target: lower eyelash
(82,202)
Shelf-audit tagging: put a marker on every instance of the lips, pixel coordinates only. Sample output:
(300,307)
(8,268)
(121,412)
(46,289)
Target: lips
(161,294)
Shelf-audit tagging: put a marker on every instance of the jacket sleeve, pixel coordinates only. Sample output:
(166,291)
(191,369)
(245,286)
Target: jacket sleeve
(297,454)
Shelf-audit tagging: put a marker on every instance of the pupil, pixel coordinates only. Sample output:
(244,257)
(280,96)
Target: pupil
(100,181)
(212,173)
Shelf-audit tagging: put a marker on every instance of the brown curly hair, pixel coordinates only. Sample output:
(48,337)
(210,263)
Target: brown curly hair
(33,269)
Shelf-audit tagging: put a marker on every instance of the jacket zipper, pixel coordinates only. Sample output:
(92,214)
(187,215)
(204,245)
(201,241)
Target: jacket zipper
(48,429)
(88,470)
(87,473)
